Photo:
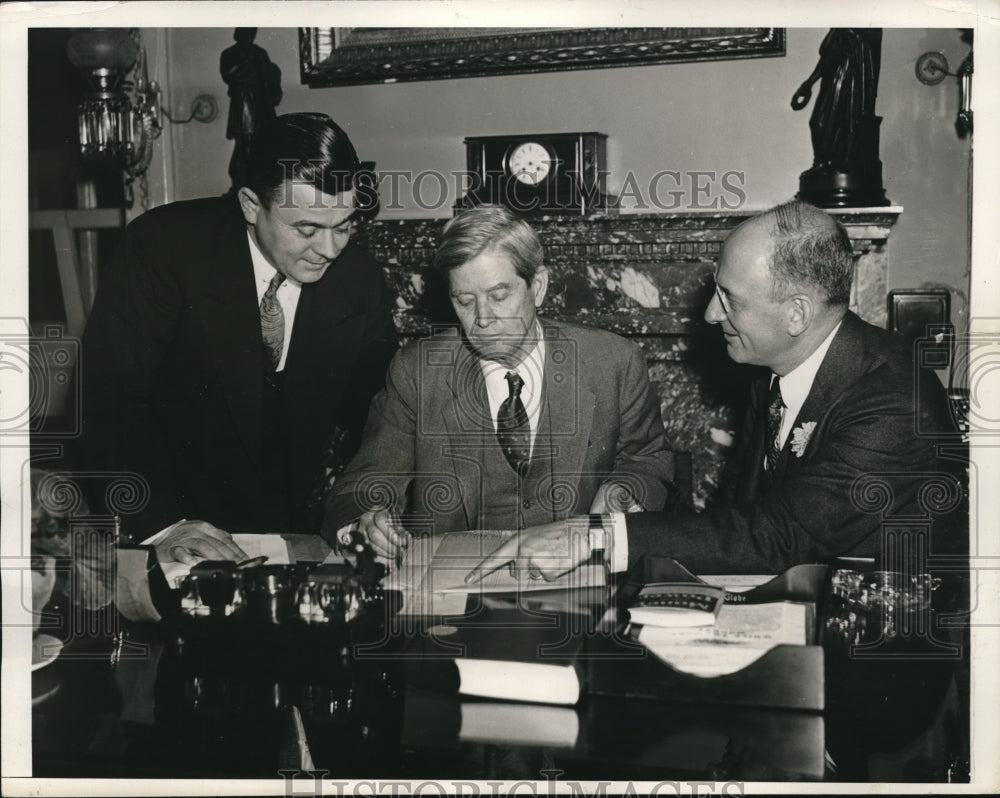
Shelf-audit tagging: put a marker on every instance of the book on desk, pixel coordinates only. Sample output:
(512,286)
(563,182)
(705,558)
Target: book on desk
(759,653)
(502,651)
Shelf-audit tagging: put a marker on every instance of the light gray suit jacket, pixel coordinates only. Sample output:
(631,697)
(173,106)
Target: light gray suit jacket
(429,430)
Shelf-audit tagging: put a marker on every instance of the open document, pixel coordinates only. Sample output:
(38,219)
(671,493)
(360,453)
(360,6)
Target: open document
(432,574)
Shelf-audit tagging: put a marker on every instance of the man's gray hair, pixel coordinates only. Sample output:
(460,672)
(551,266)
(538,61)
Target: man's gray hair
(811,250)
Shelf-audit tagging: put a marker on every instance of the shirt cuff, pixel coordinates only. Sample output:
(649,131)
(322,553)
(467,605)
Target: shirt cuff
(346,533)
(618,554)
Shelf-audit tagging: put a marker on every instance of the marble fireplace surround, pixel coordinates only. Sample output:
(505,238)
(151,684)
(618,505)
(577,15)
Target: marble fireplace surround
(647,277)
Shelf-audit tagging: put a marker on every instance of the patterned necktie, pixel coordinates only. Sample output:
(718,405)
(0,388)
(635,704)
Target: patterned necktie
(513,430)
(272,321)
(775,405)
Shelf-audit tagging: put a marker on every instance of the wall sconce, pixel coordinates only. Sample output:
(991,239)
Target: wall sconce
(932,68)
(122,115)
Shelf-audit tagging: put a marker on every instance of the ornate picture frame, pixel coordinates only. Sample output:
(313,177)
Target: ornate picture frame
(352,56)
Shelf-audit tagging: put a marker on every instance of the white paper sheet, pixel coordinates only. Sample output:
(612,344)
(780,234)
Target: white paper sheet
(742,634)
(432,574)
(737,583)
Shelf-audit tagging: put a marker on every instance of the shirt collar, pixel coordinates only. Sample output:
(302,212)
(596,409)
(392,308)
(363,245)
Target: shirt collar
(263,271)
(797,383)
(531,370)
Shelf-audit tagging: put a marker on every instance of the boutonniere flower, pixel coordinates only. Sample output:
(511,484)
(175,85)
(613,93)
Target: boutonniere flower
(800,437)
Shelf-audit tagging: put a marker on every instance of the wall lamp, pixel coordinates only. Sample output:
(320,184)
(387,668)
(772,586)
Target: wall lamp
(932,68)
(121,116)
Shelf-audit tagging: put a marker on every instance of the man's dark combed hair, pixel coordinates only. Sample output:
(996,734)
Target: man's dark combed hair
(489,228)
(811,249)
(307,148)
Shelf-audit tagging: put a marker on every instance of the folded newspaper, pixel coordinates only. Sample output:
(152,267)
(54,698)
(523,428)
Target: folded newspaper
(677,604)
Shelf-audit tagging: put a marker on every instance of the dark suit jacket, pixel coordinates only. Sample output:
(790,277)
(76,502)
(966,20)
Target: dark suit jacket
(428,430)
(173,381)
(878,422)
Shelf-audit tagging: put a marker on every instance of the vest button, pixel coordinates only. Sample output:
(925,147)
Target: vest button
(527,504)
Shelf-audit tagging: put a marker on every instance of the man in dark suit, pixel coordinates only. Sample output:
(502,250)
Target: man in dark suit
(232,337)
(511,422)
(841,432)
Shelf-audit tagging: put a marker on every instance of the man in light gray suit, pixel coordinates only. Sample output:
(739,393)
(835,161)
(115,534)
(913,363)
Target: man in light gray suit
(509,422)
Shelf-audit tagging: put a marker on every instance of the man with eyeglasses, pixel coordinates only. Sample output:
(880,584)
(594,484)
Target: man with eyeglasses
(232,337)
(842,433)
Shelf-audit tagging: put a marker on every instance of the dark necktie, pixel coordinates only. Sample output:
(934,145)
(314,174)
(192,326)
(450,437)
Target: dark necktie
(272,321)
(513,430)
(775,404)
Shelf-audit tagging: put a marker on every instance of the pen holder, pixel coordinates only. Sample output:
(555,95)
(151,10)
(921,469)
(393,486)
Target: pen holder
(210,588)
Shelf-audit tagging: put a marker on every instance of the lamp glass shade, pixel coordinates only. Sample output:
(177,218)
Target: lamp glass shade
(111,49)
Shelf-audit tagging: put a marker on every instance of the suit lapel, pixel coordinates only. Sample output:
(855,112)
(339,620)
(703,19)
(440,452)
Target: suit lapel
(469,428)
(232,323)
(566,416)
(841,363)
(322,307)
(317,353)
(752,469)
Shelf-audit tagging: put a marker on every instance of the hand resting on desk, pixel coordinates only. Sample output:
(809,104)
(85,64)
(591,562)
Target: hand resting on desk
(192,541)
(550,550)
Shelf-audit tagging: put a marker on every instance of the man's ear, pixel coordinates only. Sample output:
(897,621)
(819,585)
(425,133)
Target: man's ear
(539,285)
(800,314)
(249,204)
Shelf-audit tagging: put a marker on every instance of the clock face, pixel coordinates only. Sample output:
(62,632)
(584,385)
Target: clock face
(538,173)
(530,163)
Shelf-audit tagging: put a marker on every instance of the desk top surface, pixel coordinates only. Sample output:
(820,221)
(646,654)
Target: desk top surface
(193,699)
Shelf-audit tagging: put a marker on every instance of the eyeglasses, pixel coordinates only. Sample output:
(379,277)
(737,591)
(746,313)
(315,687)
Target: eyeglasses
(722,300)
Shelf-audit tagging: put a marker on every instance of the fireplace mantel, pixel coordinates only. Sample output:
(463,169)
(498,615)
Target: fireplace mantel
(636,274)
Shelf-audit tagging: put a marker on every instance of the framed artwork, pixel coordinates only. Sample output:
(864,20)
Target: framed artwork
(351,56)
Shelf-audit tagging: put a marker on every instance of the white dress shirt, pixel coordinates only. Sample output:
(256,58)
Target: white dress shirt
(288,293)
(797,383)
